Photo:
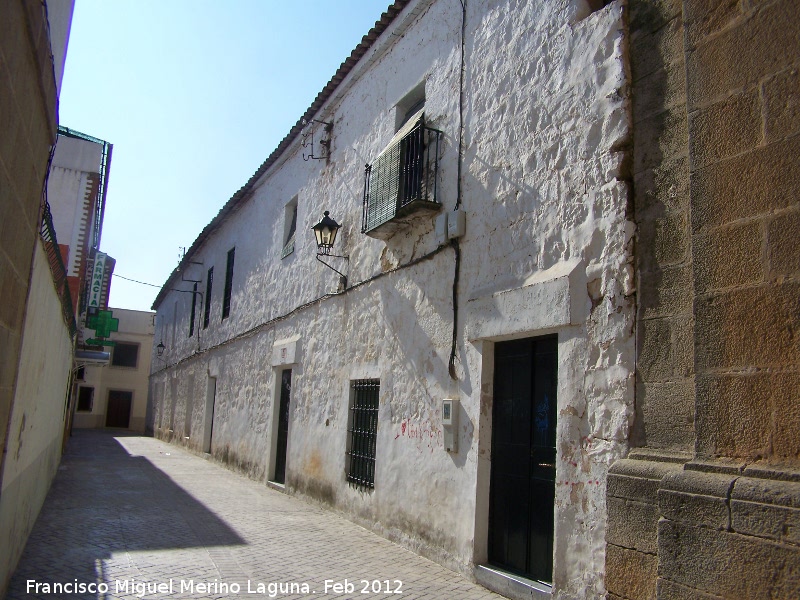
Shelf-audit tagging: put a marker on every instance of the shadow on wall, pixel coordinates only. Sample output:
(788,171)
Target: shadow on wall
(104,503)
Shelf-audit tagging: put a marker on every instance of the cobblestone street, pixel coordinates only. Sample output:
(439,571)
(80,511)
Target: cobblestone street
(151,520)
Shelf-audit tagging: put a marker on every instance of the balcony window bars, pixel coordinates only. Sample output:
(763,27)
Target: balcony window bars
(363,433)
(404,177)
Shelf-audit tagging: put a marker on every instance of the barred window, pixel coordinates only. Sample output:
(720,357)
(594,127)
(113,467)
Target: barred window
(363,432)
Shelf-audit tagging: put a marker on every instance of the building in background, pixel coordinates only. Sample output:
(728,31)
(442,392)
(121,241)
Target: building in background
(37,320)
(76,189)
(115,394)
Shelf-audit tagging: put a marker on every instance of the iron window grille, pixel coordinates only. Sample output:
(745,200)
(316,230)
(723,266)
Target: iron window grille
(363,432)
(403,178)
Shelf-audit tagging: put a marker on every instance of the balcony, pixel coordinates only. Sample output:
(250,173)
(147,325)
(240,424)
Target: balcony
(402,181)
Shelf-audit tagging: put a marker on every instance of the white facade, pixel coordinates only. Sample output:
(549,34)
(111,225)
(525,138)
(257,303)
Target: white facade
(114,382)
(547,250)
(72,193)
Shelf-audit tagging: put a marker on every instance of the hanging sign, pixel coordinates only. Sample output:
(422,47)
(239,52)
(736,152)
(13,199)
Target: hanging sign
(96,284)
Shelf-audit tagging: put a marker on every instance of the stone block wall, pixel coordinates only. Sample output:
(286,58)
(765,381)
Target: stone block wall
(28,124)
(729,531)
(744,121)
(665,395)
(711,510)
(633,514)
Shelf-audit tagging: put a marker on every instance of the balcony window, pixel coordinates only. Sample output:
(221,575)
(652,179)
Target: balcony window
(289,227)
(402,180)
(207,305)
(226,296)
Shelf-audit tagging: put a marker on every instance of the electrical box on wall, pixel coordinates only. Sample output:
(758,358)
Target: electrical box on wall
(456,224)
(450,424)
(450,225)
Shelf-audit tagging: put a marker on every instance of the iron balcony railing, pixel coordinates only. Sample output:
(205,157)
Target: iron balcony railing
(403,177)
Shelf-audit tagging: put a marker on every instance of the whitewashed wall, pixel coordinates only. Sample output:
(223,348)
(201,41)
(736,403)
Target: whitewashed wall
(36,422)
(547,250)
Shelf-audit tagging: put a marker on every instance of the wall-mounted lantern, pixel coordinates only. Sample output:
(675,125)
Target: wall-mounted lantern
(325,231)
(160,348)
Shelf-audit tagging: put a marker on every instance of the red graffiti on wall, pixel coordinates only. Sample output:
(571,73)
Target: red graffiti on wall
(422,433)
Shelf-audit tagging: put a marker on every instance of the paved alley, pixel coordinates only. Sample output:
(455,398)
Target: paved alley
(133,517)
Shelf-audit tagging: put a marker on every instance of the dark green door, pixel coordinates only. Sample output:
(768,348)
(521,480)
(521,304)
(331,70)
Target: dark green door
(523,457)
(283,427)
(118,412)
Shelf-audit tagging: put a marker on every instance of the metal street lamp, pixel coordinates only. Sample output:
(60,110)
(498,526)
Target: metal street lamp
(325,231)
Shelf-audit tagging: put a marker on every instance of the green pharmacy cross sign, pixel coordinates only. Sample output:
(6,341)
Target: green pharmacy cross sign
(103,323)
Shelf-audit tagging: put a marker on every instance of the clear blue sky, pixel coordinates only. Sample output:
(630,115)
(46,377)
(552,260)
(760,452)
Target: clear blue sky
(194,95)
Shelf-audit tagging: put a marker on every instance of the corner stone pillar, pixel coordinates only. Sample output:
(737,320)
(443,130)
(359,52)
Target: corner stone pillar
(722,521)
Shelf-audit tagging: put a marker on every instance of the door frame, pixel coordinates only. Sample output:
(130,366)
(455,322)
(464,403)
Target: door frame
(486,348)
(208,415)
(272,442)
(108,403)
(275,423)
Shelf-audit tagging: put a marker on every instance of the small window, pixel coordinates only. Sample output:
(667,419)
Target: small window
(226,297)
(125,355)
(207,307)
(193,312)
(85,399)
(412,103)
(289,227)
(80,375)
(363,433)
